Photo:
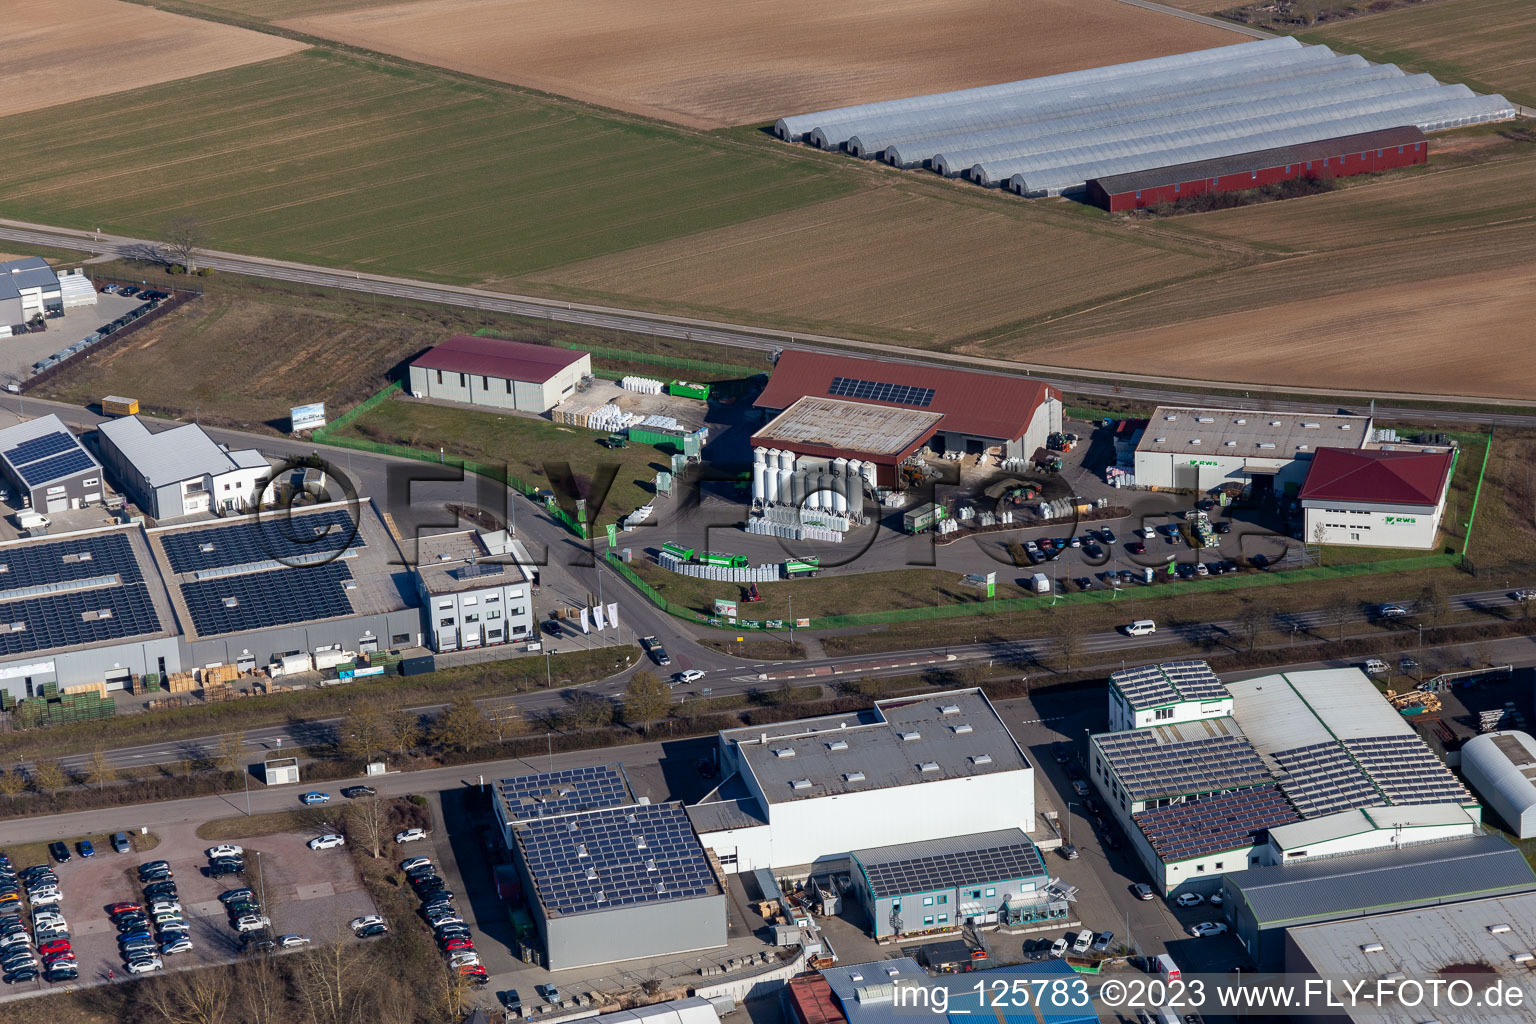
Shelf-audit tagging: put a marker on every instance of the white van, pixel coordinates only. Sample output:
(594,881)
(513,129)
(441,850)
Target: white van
(1141,627)
(1375,667)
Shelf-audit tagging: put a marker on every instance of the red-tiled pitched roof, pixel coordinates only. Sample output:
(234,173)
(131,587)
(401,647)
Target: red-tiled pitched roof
(982,404)
(811,998)
(1389,477)
(494,357)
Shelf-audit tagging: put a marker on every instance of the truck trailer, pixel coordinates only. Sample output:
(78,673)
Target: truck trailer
(923,517)
(116,405)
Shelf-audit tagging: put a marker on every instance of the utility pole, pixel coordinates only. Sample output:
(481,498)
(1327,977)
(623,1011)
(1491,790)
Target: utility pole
(549,738)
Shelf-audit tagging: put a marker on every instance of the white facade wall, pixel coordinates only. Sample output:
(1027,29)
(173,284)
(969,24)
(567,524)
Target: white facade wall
(1367,524)
(239,488)
(499,392)
(1156,469)
(1502,784)
(1364,842)
(820,828)
(1122,716)
(479,618)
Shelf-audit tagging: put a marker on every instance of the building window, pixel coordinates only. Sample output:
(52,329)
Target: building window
(492,598)
(492,615)
(943,900)
(991,892)
(471,618)
(1165,712)
(1176,188)
(93,481)
(463,380)
(1138,193)
(896,907)
(1199,867)
(439,376)
(493,634)
(399,639)
(519,628)
(975,894)
(470,600)
(445,622)
(928,920)
(1218,865)
(509,387)
(943,919)
(927,901)
(485,383)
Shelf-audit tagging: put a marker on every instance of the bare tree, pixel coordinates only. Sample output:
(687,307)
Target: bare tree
(1252,619)
(1069,632)
(364,731)
(646,699)
(184,236)
(102,771)
(334,979)
(404,729)
(191,997)
(507,719)
(13,783)
(452,993)
(48,775)
(1339,608)
(588,711)
(1320,538)
(367,822)
(1527,603)
(231,752)
(461,726)
(1432,605)
(262,990)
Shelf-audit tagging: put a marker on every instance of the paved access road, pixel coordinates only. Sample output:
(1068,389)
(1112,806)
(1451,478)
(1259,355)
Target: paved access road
(1123,386)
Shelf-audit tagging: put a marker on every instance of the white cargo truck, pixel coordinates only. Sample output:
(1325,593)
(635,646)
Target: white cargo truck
(1040,583)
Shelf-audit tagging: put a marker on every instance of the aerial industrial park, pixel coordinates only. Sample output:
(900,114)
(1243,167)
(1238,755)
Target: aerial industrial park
(777,515)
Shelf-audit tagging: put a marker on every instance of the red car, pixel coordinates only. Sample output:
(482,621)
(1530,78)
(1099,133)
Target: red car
(455,945)
(472,971)
(56,946)
(65,957)
(122,908)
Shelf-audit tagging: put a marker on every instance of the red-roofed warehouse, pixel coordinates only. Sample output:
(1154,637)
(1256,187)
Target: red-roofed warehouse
(1377,497)
(498,373)
(949,410)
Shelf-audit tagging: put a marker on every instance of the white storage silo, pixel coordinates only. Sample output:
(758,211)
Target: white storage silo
(786,477)
(854,485)
(839,489)
(759,476)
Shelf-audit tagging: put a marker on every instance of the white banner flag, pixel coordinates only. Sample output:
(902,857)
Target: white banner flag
(597,617)
(613,614)
(586,625)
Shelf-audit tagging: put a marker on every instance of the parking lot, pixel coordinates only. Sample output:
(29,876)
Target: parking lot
(18,353)
(307,892)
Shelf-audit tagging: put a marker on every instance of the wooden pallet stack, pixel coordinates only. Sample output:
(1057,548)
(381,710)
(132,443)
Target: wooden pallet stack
(218,675)
(181,682)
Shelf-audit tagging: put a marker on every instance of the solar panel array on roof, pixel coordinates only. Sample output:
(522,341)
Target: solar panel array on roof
(877,391)
(231,604)
(953,870)
(40,448)
(77,558)
(1407,771)
(1321,778)
(271,537)
(571,789)
(1227,821)
(641,853)
(1148,686)
(1149,769)
(76,617)
(56,467)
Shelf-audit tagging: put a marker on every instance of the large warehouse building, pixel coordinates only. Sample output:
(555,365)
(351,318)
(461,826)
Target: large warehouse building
(1329,158)
(498,374)
(829,407)
(1203,449)
(181,471)
(1501,768)
(28,286)
(1047,136)
(1264,903)
(608,878)
(907,770)
(1376,498)
(1306,765)
(47,466)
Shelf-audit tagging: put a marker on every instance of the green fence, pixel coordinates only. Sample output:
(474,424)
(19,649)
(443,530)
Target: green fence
(1466,542)
(327,435)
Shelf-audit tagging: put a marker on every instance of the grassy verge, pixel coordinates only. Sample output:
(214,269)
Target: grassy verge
(753,648)
(304,819)
(197,721)
(25,854)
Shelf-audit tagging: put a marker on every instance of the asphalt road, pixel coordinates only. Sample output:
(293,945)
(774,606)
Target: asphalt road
(1126,386)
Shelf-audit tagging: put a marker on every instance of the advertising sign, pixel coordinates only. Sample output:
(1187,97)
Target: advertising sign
(725,608)
(306,417)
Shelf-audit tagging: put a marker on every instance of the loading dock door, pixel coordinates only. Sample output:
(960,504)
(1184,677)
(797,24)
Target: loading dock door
(58,505)
(117,678)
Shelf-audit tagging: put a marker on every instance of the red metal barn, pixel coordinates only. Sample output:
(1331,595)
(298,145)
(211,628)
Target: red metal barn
(1336,158)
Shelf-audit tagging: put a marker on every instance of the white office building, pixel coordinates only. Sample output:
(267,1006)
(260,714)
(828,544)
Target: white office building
(476,590)
(181,471)
(907,770)
(1181,691)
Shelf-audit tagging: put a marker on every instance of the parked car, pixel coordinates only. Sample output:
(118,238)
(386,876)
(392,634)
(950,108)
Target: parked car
(220,868)
(24,974)
(411,835)
(86,848)
(365,921)
(373,930)
(415,863)
(145,965)
(177,946)
(1069,851)
(327,842)
(315,797)
(153,866)
(1190,899)
(1205,928)
(353,792)
(1217,899)
(231,895)
(292,941)
(1059,948)
(511,1000)
(122,908)
(1083,941)
(1101,944)
(224,850)
(59,851)
(251,923)
(549,993)
(1142,891)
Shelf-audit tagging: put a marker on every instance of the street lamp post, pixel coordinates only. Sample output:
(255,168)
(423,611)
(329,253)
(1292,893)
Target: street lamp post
(261,884)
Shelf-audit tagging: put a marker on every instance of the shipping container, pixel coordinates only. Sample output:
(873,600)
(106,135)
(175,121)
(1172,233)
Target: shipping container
(418,666)
(802,566)
(115,405)
(684,389)
(678,551)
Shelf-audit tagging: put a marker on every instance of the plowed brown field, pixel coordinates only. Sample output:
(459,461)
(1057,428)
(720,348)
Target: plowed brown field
(708,64)
(57,51)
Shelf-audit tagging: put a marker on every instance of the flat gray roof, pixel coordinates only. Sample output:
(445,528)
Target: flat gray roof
(1423,875)
(179,453)
(1244,433)
(850,426)
(914,740)
(30,272)
(950,863)
(451,562)
(1430,942)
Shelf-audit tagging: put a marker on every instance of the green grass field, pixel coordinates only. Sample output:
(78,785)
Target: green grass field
(524,443)
(348,162)
(1489,45)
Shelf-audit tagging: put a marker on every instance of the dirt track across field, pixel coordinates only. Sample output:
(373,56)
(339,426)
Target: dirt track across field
(706,64)
(1464,334)
(57,51)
